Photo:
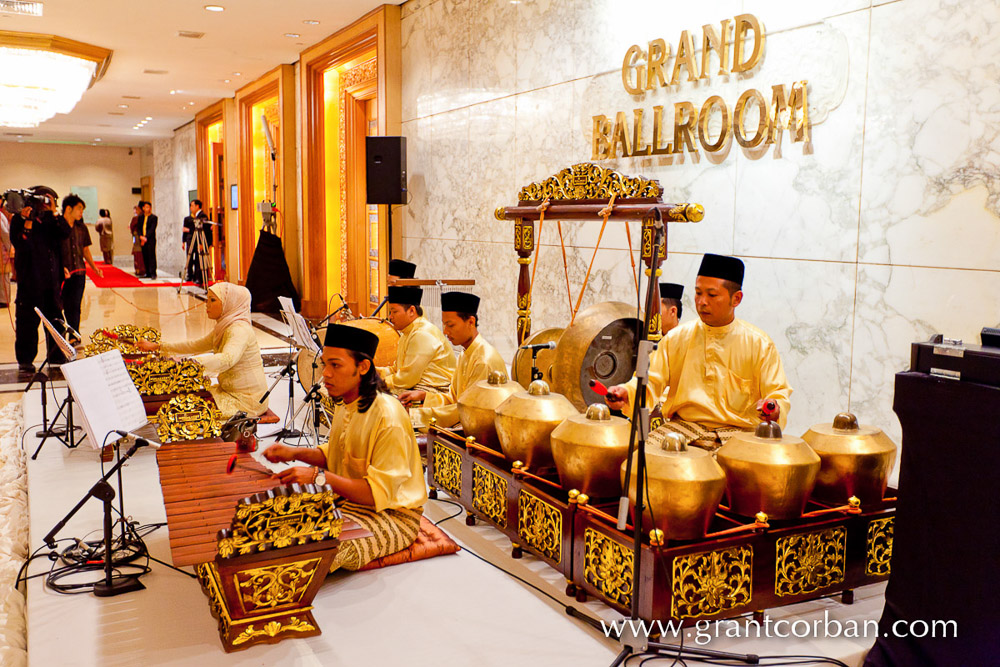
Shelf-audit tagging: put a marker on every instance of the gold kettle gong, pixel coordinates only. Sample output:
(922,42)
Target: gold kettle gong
(526,419)
(855,460)
(477,407)
(588,450)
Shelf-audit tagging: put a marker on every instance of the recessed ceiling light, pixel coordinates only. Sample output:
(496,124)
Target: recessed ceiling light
(215,8)
(123,106)
(190,104)
(292,35)
(173,92)
(311,22)
(97,139)
(225,81)
(237,73)
(149,118)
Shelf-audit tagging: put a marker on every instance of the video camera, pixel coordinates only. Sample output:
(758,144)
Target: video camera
(37,198)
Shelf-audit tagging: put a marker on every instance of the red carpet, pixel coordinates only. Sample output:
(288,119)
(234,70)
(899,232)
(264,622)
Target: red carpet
(115,277)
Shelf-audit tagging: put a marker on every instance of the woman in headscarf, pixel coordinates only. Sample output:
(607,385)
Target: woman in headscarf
(229,351)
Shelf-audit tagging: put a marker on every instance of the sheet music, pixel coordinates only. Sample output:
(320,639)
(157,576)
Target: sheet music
(61,342)
(300,328)
(106,395)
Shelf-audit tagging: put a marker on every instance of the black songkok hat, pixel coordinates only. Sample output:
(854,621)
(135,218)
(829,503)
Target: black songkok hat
(405,296)
(401,268)
(671,291)
(351,338)
(721,266)
(460,302)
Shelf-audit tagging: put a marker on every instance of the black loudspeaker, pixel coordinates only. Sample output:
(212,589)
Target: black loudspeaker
(385,175)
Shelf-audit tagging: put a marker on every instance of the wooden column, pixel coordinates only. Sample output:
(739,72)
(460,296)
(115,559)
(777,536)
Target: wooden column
(653,272)
(524,244)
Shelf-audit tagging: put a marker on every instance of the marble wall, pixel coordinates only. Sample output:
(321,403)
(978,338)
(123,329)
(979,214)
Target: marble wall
(175,172)
(879,232)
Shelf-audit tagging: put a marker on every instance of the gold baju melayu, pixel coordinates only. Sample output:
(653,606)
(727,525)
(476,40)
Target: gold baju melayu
(231,352)
(708,380)
(424,360)
(474,364)
(379,447)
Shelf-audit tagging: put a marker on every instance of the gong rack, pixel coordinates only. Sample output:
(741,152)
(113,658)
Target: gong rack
(584,192)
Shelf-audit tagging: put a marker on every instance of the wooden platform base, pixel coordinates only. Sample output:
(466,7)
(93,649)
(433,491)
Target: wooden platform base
(741,566)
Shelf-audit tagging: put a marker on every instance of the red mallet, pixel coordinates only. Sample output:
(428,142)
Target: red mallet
(598,387)
(769,410)
(232,464)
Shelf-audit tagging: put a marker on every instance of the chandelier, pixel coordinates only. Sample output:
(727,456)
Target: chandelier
(42,75)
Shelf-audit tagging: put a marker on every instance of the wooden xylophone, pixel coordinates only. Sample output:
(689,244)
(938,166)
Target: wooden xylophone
(261,550)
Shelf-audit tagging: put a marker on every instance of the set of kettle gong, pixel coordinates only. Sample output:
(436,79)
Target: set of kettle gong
(764,471)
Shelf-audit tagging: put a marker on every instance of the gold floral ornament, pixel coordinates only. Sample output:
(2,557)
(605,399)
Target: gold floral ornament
(589,181)
(188,417)
(282,517)
(166,376)
(122,337)
(273,629)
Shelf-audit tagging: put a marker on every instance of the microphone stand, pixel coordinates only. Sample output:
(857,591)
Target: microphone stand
(637,644)
(288,430)
(104,492)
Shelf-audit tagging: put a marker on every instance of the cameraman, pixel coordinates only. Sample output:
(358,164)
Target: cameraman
(37,237)
(75,256)
(191,223)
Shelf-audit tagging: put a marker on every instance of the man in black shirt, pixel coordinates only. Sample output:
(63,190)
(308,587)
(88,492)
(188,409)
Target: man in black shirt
(188,237)
(75,253)
(147,237)
(37,239)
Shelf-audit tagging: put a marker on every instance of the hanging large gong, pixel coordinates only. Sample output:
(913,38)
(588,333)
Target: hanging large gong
(520,368)
(599,345)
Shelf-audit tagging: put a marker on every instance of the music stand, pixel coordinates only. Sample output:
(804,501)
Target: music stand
(64,435)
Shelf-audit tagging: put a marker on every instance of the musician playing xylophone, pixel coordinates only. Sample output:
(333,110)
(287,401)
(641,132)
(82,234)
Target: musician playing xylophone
(371,458)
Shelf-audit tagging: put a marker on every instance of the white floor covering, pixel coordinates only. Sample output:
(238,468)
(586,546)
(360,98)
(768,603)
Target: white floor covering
(452,610)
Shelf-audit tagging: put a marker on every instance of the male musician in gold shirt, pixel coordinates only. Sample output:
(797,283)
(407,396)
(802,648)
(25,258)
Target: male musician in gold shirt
(670,306)
(712,376)
(371,458)
(424,357)
(460,317)
(400,269)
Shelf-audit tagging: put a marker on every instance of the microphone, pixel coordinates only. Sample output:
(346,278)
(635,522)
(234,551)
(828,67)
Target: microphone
(69,328)
(267,134)
(139,442)
(551,345)
(379,307)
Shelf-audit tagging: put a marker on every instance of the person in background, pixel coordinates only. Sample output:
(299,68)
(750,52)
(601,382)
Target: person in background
(147,238)
(75,258)
(37,239)
(138,265)
(107,236)
(188,236)
(6,259)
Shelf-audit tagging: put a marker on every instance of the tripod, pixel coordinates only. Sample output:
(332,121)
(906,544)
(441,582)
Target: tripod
(288,430)
(66,435)
(315,402)
(197,245)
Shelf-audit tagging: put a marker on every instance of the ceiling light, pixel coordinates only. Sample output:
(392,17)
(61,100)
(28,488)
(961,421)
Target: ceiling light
(123,106)
(225,81)
(190,104)
(311,22)
(97,139)
(237,73)
(149,118)
(21,7)
(173,92)
(66,78)
(293,35)
(215,8)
